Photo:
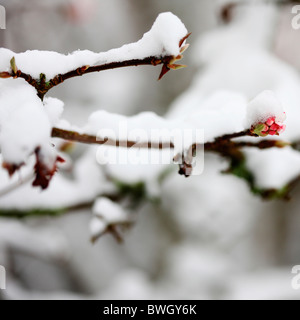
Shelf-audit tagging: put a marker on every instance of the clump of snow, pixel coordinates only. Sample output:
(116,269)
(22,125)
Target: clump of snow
(54,109)
(97,227)
(24,125)
(35,62)
(162,40)
(146,127)
(123,126)
(223,113)
(109,211)
(266,105)
(106,213)
(273,168)
(88,183)
(237,58)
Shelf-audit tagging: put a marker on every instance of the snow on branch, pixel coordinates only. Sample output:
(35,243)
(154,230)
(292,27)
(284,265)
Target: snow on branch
(220,126)
(26,119)
(265,115)
(235,119)
(108,216)
(163,44)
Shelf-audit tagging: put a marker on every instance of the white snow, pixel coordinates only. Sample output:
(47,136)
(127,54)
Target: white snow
(273,168)
(264,106)
(26,122)
(97,227)
(109,211)
(226,240)
(54,109)
(106,213)
(88,182)
(145,127)
(162,40)
(24,125)
(222,113)
(103,123)
(237,59)
(35,62)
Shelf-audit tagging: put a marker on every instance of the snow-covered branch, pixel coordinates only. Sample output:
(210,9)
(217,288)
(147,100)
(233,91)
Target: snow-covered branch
(163,45)
(26,120)
(90,139)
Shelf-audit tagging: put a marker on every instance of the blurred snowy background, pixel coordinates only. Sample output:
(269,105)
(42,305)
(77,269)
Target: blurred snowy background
(206,237)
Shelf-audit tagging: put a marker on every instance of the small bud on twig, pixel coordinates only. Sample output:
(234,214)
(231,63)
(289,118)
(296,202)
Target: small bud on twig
(13,65)
(5,75)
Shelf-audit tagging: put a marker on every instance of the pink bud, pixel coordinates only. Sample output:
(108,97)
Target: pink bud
(270,127)
(274,127)
(270,121)
(281,129)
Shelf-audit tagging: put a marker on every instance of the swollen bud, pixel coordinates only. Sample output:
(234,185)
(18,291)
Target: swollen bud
(5,75)
(177,66)
(270,127)
(13,65)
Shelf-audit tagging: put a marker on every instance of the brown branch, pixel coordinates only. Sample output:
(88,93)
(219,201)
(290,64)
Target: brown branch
(223,146)
(151,61)
(27,77)
(42,86)
(219,143)
(240,134)
(265,144)
(89,139)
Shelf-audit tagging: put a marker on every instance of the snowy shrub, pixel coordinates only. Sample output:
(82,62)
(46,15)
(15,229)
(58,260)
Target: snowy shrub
(34,138)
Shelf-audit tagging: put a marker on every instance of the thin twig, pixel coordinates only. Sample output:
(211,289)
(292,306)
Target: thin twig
(150,61)
(42,87)
(89,139)
(265,144)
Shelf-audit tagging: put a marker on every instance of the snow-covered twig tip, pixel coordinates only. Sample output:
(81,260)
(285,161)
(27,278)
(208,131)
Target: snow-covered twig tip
(163,44)
(265,115)
(171,65)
